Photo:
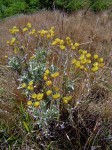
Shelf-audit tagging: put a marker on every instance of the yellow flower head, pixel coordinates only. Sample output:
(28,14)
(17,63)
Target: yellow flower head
(25,29)
(83,61)
(88,55)
(81,51)
(45,78)
(69,43)
(49,83)
(101,60)
(61,42)
(6,56)
(73,47)
(30,83)
(77,64)
(88,61)
(47,72)
(62,47)
(56,74)
(81,67)
(56,96)
(68,98)
(65,101)
(76,44)
(32,32)
(49,92)
(24,85)
(57,40)
(43,32)
(95,56)
(95,69)
(14,30)
(48,36)
(29,25)
(37,104)
(40,96)
(29,103)
(101,65)
(30,88)
(84,51)
(54,43)
(34,95)
(82,57)
(68,38)
(13,40)
(96,64)
(51,33)
(74,61)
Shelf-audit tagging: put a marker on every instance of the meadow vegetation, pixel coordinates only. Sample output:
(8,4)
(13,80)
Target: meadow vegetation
(56,81)
(12,7)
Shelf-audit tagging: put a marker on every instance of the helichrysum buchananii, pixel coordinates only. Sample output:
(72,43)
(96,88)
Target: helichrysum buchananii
(56,96)
(40,96)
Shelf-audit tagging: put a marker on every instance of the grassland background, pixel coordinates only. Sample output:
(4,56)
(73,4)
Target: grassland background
(92,28)
(12,7)
(82,28)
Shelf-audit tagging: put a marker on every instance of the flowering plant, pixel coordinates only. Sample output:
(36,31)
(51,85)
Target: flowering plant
(49,71)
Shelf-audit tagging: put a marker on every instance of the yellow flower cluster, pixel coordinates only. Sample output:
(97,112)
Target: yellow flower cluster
(66,99)
(29,25)
(61,43)
(56,96)
(25,29)
(49,83)
(86,62)
(48,75)
(14,30)
(29,87)
(12,42)
(47,33)
(24,85)
(98,63)
(33,31)
(49,92)
(57,41)
(71,44)
(38,97)
(35,104)
(54,75)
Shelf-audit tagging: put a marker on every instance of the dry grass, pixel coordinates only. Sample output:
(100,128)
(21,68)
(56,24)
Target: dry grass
(95,28)
(93,31)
